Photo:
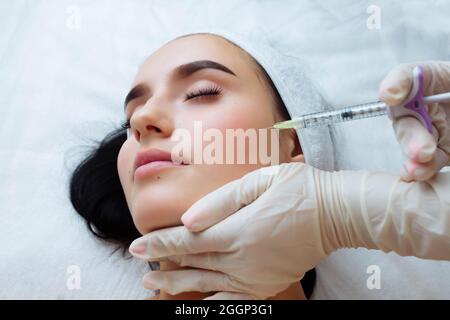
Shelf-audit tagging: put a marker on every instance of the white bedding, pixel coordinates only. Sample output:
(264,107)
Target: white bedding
(60,86)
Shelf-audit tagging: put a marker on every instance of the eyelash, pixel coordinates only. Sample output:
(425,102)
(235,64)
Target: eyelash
(203,92)
(126,124)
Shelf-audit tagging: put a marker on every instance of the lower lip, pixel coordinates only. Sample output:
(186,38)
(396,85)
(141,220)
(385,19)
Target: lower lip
(152,168)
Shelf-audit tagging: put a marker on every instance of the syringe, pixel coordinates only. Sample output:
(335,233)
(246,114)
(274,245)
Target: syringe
(360,111)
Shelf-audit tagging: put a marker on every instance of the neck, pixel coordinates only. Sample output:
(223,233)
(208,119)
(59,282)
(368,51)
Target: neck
(293,292)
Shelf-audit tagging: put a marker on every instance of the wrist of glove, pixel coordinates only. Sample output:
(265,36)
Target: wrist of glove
(342,201)
(377,210)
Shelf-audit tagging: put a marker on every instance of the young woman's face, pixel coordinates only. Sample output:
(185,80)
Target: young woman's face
(169,98)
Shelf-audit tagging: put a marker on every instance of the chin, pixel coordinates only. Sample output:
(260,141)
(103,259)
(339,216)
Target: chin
(159,206)
(160,203)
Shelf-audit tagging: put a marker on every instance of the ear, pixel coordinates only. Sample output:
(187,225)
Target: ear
(296,152)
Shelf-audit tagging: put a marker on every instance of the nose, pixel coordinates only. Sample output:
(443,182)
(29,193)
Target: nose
(153,119)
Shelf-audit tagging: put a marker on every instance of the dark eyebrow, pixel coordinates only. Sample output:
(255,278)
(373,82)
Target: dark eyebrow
(180,72)
(137,91)
(185,70)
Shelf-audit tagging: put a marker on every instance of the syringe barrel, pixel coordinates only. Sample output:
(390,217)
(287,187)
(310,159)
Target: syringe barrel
(355,112)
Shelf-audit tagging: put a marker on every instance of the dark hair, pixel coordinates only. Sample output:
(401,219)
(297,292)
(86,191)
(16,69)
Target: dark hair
(97,194)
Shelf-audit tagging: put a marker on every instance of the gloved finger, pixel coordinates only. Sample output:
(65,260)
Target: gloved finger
(231,296)
(396,86)
(225,201)
(416,142)
(163,243)
(436,76)
(412,170)
(207,260)
(177,281)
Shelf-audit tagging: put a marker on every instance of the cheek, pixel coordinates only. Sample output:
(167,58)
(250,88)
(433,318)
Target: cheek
(242,113)
(234,110)
(238,114)
(252,118)
(245,113)
(124,165)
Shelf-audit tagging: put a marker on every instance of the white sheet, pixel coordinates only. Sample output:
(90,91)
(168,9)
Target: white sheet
(60,86)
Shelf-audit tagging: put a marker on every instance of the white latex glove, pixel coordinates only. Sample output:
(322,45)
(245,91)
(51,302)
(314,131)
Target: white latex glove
(263,232)
(424,154)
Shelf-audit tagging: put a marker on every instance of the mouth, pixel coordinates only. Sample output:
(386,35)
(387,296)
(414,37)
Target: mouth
(153,160)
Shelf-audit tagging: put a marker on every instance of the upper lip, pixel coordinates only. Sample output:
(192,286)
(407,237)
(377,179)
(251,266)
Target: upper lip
(150,155)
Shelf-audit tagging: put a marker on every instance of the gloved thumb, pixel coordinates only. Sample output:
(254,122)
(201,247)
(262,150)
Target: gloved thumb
(226,200)
(396,85)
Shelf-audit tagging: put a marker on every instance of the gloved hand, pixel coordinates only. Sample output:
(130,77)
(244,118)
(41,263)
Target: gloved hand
(424,154)
(288,222)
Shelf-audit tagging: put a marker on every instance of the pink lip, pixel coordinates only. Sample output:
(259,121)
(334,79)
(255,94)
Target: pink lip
(151,161)
(152,168)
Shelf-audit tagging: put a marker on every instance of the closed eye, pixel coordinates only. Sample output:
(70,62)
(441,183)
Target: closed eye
(204,92)
(125,124)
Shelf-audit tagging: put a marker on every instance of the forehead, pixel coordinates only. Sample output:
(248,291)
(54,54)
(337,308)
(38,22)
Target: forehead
(192,48)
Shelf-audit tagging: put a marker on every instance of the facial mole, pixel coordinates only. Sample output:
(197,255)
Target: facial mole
(158,177)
